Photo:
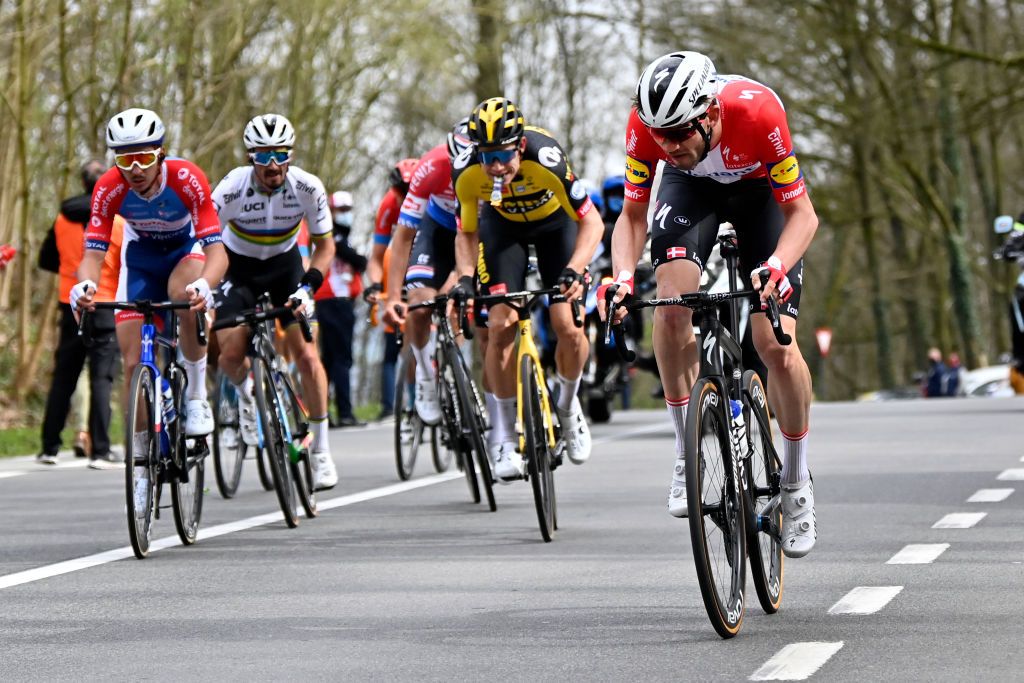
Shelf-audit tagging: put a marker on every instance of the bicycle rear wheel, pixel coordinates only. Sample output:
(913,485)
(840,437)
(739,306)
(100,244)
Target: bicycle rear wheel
(266,481)
(274,443)
(189,466)
(229,449)
(715,509)
(298,454)
(408,426)
(442,450)
(764,514)
(141,445)
(473,422)
(538,461)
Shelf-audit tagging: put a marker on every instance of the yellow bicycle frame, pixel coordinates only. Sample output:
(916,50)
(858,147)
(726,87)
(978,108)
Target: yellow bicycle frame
(525,346)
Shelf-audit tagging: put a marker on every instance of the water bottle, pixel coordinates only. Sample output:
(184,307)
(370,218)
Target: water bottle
(739,428)
(168,402)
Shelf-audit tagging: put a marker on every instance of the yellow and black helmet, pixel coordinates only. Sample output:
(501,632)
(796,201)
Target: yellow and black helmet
(496,121)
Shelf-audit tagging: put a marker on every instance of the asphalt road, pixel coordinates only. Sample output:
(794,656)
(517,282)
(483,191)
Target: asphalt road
(416,582)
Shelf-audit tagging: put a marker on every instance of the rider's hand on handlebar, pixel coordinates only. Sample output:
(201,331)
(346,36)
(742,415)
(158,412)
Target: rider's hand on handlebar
(81,295)
(371,293)
(620,290)
(200,296)
(770,278)
(571,283)
(394,312)
(301,302)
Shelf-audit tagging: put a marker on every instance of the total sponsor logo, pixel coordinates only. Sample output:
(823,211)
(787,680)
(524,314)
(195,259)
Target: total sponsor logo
(191,185)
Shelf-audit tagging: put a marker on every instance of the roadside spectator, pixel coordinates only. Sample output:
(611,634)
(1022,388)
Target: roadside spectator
(953,375)
(935,379)
(61,252)
(335,310)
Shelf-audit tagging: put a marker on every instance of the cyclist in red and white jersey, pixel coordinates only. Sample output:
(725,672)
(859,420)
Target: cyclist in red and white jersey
(728,156)
(426,228)
(387,217)
(171,245)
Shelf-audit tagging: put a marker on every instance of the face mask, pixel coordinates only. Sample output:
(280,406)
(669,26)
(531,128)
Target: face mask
(343,219)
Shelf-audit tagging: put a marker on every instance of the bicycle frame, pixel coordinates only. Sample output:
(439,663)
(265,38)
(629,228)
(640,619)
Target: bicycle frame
(527,346)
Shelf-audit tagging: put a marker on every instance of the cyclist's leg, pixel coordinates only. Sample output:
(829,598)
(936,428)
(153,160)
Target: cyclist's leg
(502,269)
(759,224)
(684,225)
(554,249)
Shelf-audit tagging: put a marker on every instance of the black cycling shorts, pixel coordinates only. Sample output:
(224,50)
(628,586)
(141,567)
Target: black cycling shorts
(432,258)
(504,253)
(689,210)
(249,277)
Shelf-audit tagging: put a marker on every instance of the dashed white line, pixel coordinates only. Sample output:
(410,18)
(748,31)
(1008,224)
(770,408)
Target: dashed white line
(1013,474)
(865,600)
(796,661)
(990,495)
(959,520)
(919,553)
(39,573)
(8,475)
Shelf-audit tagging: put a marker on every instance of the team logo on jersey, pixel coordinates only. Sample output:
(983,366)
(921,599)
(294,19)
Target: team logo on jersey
(578,191)
(462,160)
(182,173)
(785,172)
(549,156)
(637,172)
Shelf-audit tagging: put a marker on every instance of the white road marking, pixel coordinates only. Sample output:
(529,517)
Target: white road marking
(39,573)
(8,475)
(865,600)
(990,495)
(959,520)
(919,553)
(796,661)
(1011,475)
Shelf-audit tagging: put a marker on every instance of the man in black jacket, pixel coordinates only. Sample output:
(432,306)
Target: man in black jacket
(61,252)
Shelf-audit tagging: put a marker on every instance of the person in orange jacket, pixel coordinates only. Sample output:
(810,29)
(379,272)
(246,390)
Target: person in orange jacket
(61,252)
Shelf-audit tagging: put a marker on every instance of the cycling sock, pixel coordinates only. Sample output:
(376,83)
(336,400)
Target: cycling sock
(677,411)
(567,389)
(424,361)
(794,458)
(245,388)
(492,413)
(195,371)
(504,420)
(319,425)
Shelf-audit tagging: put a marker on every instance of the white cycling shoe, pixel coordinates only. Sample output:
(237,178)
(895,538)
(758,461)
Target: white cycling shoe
(198,417)
(247,418)
(677,491)
(427,405)
(799,531)
(325,476)
(575,432)
(505,461)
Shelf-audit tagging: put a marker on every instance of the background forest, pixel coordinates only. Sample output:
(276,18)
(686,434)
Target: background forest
(906,115)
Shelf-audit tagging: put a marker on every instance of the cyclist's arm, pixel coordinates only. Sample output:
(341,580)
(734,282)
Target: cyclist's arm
(375,266)
(466,246)
(629,236)
(801,222)
(591,230)
(323,253)
(401,245)
(216,263)
(91,265)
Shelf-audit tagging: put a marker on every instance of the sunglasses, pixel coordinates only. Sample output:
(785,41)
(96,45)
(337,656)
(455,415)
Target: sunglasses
(681,133)
(143,159)
(279,156)
(502,156)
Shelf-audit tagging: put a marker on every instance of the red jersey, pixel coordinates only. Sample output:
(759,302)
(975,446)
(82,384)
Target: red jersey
(430,191)
(340,280)
(755,143)
(387,216)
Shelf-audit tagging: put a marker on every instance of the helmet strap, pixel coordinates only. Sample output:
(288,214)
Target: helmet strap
(706,137)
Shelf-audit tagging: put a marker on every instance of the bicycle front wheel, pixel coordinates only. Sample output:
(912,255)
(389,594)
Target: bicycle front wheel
(141,445)
(228,447)
(472,422)
(764,513)
(538,457)
(451,426)
(408,426)
(298,455)
(274,443)
(715,508)
(188,472)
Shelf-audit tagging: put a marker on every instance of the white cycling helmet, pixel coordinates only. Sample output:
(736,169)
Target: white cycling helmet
(340,200)
(458,138)
(269,130)
(675,88)
(134,127)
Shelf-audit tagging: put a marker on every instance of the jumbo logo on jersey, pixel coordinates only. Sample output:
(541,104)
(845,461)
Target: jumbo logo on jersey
(785,172)
(637,172)
(549,156)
